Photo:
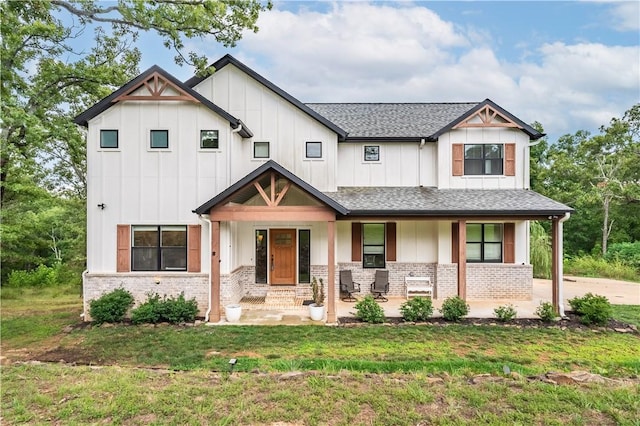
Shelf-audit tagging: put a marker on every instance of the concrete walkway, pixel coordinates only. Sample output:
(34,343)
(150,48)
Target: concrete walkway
(618,292)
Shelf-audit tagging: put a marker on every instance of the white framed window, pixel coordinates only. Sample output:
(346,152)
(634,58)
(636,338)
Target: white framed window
(159,139)
(313,150)
(109,139)
(209,139)
(261,150)
(371,153)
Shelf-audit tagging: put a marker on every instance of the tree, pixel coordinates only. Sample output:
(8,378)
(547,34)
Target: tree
(600,177)
(45,81)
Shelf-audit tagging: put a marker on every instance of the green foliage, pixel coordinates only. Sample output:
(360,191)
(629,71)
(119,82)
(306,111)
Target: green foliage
(505,313)
(540,250)
(43,276)
(454,308)
(593,309)
(111,307)
(546,312)
(318,291)
(625,253)
(172,310)
(593,266)
(417,309)
(368,310)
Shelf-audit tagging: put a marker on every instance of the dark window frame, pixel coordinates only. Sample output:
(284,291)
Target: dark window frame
(255,144)
(481,162)
(368,154)
(374,260)
(104,131)
(217,139)
(160,249)
(304,259)
(483,243)
(312,143)
(159,131)
(261,260)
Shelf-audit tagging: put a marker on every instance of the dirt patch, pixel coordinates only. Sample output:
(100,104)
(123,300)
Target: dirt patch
(570,322)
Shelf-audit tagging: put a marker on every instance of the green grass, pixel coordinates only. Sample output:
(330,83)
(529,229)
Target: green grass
(58,394)
(627,313)
(590,266)
(362,375)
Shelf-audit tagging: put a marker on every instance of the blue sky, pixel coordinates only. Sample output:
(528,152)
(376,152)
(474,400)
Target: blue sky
(569,65)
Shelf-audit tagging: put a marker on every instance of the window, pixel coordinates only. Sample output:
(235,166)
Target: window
(373,245)
(484,242)
(304,256)
(209,139)
(483,159)
(314,150)
(159,248)
(159,139)
(372,153)
(108,138)
(261,150)
(261,256)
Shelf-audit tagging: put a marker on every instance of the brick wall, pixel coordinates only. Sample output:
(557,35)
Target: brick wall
(397,272)
(446,280)
(499,281)
(140,284)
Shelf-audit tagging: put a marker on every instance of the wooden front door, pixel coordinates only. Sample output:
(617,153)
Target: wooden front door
(282,262)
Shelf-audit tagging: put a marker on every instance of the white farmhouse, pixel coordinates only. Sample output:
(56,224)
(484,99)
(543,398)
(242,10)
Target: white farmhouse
(228,187)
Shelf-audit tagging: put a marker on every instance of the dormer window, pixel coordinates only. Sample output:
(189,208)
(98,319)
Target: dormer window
(483,159)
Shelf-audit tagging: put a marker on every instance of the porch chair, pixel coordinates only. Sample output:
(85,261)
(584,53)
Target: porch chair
(381,285)
(348,286)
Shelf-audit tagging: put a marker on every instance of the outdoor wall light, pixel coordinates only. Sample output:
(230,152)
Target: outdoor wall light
(156,280)
(101,206)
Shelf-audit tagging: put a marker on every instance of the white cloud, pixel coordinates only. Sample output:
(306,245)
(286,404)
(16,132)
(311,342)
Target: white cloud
(626,15)
(361,52)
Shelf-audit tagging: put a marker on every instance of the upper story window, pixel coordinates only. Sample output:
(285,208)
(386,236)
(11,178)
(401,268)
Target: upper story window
(373,249)
(209,139)
(372,153)
(313,150)
(159,139)
(483,159)
(484,242)
(261,150)
(108,139)
(159,248)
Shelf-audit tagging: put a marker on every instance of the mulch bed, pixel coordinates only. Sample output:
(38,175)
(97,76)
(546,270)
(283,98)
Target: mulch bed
(570,322)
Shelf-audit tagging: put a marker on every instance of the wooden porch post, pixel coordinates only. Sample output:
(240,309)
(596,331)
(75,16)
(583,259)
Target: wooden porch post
(214,315)
(331,271)
(462,259)
(555,266)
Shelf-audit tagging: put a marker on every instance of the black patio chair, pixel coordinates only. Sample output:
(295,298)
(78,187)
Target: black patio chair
(380,286)
(348,286)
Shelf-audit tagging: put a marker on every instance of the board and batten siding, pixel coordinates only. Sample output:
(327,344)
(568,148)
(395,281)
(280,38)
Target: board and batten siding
(450,159)
(139,185)
(272,119)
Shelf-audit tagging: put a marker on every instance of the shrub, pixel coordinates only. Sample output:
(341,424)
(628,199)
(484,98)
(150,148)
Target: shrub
(417,309)
(368,310)
(42,276)
(173,310)
(546,312)
(627,253)
(454,308)
(505,313)
(590,266)
(592,308)
(111,307)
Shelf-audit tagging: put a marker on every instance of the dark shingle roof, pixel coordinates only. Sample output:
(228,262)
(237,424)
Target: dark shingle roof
(409,201)
(392,120)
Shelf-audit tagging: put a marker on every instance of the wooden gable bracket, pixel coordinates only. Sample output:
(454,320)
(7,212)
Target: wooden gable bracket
(156,84)
(487,117)
(273,199)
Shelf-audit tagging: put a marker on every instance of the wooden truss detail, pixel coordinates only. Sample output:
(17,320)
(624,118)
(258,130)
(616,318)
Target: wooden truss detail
(487,116)
(156,84)
(274,198)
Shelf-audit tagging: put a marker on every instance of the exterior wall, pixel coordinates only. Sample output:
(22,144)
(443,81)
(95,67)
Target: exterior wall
(446,284)
(141,283)
(272,119)
(491,281)
(418,165)
(482,135)
(397,272)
